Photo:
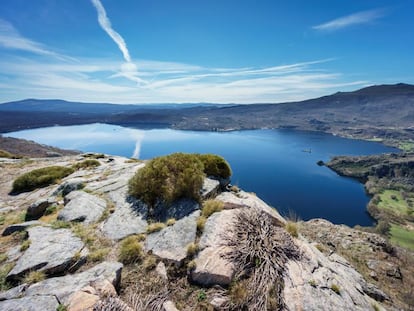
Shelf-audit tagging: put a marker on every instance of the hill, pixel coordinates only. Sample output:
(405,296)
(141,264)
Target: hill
(382,112)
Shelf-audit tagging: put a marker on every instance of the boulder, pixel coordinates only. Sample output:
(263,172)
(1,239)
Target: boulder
(20,227)
(211,267)
(63,287)
(83,207)
(161,271)
(37,209)
(70,185)
(210,188)
(83,300)
(171,242)
(35,303)
(249,200)
(52,251)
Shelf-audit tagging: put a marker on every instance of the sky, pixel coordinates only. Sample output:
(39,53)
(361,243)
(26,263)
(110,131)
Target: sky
(191,51)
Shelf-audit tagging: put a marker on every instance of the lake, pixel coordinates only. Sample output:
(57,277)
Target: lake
(274,164)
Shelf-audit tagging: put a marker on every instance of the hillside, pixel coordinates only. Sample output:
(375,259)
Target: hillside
(83,242)
(383,112)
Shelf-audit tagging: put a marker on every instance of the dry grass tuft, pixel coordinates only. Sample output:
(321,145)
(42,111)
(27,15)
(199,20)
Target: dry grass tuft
(210,207)
(155,227)
(34,277)
(259,250)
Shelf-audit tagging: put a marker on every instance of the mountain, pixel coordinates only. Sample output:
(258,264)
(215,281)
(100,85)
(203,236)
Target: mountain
(382,112)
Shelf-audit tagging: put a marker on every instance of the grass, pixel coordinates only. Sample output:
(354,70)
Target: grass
(86,164)
(6,154)
(192,249)
(336,289)
(394,201)
(210,207)
(406,146)
(34,277)
(201,222)
(25,245)
(155,227)
(4,270)
(40,178)
(402,237)
(292,228)
(171,222)
(131,250)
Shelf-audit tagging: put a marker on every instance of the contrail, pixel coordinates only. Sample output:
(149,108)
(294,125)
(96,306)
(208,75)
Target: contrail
(106,25)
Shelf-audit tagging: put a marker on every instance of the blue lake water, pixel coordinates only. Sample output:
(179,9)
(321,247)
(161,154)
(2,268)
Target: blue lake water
(271,163)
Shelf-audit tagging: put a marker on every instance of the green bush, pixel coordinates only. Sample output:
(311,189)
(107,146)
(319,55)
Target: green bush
(39,178)
(85,164)
(167,179)
(215,165)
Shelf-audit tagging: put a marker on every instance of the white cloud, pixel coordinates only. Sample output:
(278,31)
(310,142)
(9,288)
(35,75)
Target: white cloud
(10,38)
(363,17)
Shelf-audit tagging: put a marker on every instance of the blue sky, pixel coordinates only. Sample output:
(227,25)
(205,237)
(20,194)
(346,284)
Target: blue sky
(223,51)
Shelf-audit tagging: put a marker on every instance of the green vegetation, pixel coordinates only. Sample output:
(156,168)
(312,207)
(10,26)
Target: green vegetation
(215,165)
(50,210)
(34,277)
(178,175)
(3,257)
(292,228)
(202,295)
(167,179)
(4,270)
(25,245)
(61,308)
(86,164)
(210,207)
(336,289)
(396,202)
(39,178)
(156,226)
(192,249)
(131,250)
(201,222)
(406,146)
(8,155)
(402,236)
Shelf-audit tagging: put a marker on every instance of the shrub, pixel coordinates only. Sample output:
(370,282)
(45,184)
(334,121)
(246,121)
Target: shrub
(89,163)
(215,165)
(210,207)
(292,228)
(383,227)
(4,270)
(39,178)
(154,227)
(167,179)
(50,209)
(25,245)
(201,222)
(34,277)
(131,250)
(98,255)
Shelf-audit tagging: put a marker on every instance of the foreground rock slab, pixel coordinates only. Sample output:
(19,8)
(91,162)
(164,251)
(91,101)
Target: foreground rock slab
(51,251)
(35,303)
(64,287)
(82,207)
(171,242)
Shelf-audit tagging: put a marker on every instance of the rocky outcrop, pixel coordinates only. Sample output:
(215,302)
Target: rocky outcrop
(38,208)
(210,188)
(51,251)
(20,227)
(82,207)
(64,287)
(70,185)
(324,283)
(35,303)
(171,242)
(177,209)
(211,266)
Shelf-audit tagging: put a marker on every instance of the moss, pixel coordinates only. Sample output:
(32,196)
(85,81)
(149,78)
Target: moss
(39,178)
(130,250)
(210,207)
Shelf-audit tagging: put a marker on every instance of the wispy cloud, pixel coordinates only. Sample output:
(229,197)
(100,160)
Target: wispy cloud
(96,80)
(128,70)
(10,38)
(363,17)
